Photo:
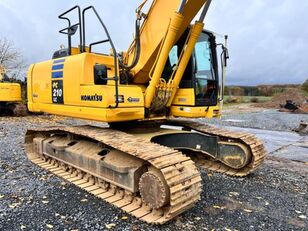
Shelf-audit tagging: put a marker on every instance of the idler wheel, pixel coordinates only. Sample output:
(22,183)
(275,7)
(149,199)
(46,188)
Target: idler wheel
(154,189)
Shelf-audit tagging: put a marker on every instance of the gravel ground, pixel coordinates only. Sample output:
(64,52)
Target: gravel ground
(259,118)
(273,198)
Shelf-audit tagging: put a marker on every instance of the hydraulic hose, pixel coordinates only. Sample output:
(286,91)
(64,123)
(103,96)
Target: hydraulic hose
(138,48)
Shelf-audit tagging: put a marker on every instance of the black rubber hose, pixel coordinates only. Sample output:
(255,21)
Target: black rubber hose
(138,49)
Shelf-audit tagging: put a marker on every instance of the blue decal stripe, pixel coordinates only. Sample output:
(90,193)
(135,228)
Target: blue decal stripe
(58,74)
(59,61)
(57,67)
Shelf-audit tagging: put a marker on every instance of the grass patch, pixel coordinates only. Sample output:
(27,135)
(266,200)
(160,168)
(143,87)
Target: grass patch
(246,99)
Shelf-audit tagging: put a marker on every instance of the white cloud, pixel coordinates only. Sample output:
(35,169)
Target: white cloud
(267,38)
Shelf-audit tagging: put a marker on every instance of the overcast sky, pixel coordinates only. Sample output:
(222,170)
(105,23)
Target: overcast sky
(267,38)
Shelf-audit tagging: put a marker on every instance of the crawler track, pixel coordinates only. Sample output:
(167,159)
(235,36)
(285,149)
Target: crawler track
(258,152)
(179,171)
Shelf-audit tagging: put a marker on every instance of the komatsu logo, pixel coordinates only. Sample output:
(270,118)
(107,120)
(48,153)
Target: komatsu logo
(95,97)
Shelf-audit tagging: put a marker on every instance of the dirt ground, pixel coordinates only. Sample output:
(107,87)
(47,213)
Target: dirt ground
(273,198)
(295,95)
(241,108)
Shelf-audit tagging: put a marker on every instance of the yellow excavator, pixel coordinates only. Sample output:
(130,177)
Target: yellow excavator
(10,96)
(147,160)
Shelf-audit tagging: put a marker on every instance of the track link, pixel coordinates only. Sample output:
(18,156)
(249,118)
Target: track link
(258,152)
(179,171)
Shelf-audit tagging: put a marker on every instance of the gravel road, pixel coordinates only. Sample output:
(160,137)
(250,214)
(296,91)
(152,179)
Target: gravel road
(273,198)
(259,118)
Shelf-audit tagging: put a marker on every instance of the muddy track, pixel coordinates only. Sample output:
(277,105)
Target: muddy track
(179,171)
(256,147)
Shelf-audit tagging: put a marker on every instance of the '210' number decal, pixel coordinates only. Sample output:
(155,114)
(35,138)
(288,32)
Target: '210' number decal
(57,91)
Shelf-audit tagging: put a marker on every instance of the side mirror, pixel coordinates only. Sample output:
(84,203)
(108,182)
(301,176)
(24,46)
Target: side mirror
(225,56)
(72,30)
(225,51)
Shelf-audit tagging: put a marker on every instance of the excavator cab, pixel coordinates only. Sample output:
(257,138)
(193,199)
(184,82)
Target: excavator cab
(201,73)
(200,85)
(205,71)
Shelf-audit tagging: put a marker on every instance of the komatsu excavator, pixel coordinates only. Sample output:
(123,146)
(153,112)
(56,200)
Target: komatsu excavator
(147,161)
(10,96)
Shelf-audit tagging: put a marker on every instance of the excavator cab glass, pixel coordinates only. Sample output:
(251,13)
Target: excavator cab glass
(201,73)
(205,78)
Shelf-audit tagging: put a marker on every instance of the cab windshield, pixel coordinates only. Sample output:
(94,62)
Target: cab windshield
(201,71)
(205,81)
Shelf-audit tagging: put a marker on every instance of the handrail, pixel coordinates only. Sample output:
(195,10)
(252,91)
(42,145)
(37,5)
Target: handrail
(61,16)
(96,43)
(115,78)
(82,35)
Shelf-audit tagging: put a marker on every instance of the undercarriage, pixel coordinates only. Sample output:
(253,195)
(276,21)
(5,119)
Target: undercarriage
(151,174)
(13,109)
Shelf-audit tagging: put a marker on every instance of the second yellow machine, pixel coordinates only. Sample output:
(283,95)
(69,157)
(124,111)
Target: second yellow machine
(10,96)
(146,161)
